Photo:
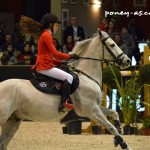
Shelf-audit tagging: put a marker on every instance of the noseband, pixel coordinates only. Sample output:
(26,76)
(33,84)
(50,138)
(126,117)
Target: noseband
(117,60)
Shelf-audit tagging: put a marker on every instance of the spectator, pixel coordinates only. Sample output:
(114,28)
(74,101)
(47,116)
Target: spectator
(103,24)
(8,40)
(57,45)
(74,30)
(111,29)
(69,45)
(118,39)
(129,41)
(10,55)
(27,57)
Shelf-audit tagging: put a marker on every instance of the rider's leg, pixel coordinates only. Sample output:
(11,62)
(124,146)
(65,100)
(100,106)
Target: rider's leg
(67,78)
(65,98)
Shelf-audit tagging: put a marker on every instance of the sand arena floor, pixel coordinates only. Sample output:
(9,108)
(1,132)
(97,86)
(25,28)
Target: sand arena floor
(48,136)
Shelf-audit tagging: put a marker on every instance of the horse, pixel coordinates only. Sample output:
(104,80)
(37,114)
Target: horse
(20,101)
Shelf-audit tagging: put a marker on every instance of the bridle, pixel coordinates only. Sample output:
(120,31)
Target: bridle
(117,59)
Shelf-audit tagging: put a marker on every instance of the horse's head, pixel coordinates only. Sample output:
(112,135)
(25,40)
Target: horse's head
(112,53)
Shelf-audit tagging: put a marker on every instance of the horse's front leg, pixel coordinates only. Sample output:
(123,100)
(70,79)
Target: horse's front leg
(95,114)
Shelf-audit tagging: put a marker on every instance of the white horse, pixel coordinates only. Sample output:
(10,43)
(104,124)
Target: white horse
(19,100)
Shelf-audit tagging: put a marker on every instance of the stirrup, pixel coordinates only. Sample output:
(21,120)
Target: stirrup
(69,105)
(66,105)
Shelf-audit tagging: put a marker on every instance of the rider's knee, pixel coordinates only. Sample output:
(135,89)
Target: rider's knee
(70,78)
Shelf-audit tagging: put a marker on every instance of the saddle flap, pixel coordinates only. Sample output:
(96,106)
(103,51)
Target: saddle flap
(49,86)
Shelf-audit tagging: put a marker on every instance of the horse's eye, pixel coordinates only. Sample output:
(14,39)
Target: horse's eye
(112,45)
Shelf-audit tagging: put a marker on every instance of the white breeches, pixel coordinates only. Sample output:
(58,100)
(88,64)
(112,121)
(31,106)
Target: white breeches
(57,74)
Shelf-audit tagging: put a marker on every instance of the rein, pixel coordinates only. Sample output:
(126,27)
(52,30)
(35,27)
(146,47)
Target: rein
(101,60)
(104,60)
(91,58)
(79,71)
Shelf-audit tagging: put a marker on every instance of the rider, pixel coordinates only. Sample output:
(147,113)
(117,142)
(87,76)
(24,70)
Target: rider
(49,58)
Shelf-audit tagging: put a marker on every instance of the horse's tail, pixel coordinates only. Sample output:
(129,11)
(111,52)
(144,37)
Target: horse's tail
(30,26)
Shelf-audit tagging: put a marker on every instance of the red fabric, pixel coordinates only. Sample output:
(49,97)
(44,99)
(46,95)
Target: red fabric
(48,56)
(102,27)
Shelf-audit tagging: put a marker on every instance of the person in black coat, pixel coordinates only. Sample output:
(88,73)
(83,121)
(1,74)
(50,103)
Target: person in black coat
(74,30)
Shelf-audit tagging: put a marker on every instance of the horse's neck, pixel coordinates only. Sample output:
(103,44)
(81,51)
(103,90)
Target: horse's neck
(93,68)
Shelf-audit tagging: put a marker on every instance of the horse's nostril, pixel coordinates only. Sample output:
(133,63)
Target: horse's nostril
(128,61)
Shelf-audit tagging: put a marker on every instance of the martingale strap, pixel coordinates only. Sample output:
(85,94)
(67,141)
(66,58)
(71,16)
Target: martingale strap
(79,71)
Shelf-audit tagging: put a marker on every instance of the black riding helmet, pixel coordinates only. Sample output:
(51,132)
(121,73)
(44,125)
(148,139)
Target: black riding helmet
(49,18)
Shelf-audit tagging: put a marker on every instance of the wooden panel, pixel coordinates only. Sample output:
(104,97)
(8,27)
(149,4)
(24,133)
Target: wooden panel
(147,88)
(146,55)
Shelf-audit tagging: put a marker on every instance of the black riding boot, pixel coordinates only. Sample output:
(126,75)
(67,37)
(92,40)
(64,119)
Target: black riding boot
(66,101)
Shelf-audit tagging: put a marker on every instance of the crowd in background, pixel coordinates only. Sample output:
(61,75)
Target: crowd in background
(22,50)
(126,37)
(16,50)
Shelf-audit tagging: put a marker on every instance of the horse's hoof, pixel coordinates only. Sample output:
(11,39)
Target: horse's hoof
(119,141)
(115,143)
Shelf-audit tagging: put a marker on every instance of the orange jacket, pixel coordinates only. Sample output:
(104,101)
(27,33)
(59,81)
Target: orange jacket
(48,56)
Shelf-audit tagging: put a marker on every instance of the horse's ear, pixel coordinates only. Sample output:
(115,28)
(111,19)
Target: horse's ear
(100,33)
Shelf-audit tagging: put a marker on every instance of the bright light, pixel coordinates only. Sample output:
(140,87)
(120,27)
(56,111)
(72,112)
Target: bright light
(96,4)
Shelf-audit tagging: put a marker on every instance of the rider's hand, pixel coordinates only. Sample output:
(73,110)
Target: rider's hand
(64,62)
(74,56)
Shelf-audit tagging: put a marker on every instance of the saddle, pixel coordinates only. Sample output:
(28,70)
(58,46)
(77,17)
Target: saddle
(50,85)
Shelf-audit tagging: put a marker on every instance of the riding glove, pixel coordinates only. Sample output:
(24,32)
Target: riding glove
(64,62)
(74,56)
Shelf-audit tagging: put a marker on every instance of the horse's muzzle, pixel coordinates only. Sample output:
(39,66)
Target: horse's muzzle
(129,62)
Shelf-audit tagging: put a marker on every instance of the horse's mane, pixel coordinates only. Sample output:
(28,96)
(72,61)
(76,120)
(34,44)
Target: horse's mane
(80,48)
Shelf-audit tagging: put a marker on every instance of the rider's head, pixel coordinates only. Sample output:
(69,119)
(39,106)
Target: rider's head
(50,21)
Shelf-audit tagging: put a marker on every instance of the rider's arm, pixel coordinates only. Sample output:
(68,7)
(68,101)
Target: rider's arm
(51,47)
